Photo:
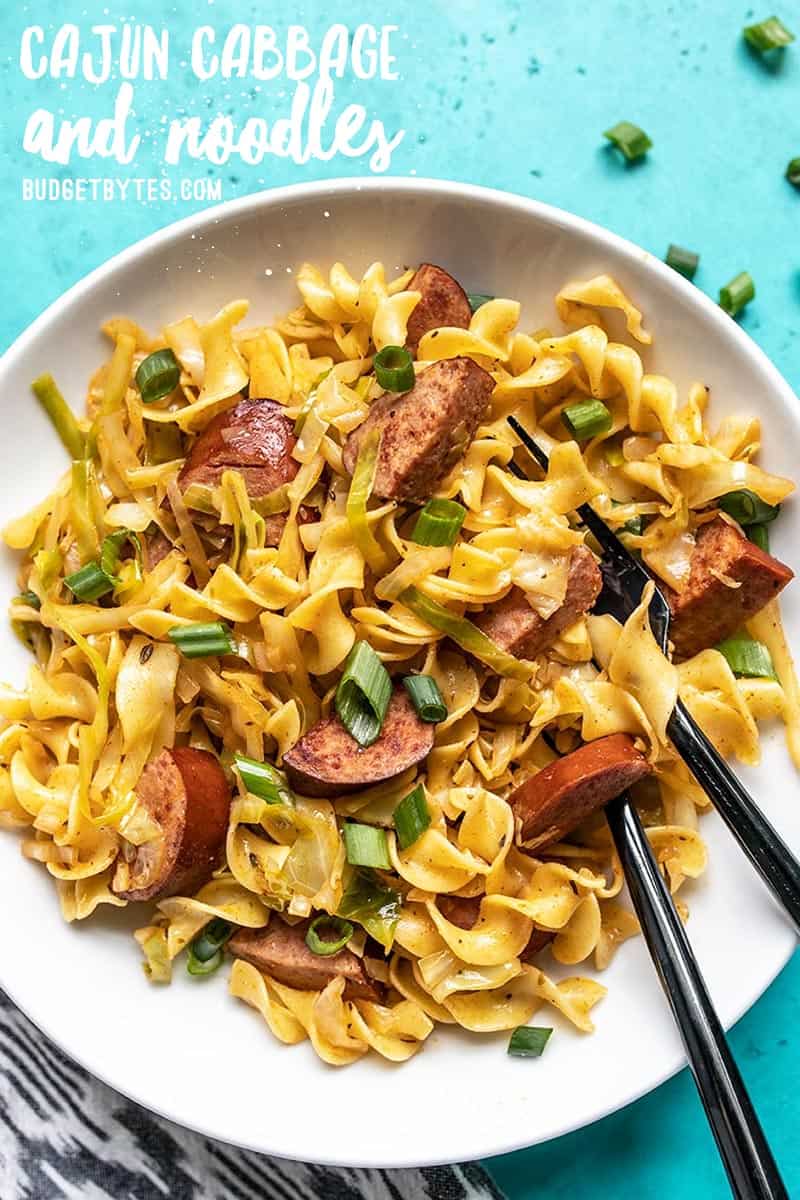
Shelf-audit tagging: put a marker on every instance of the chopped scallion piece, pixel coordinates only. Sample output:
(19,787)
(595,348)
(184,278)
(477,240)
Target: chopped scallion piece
(363,694)
(61,415)
(770,34)
(737,294)
(586,419)
(319,943)
(438,523)
(112,548)
(90,583)
(747,657)
(528,1041)
(202,639)
(29,598)
(426,698)
(747,508)
(211,939)
(685,262)
(263,780)
(793,172)
(197,966)
(373,905)
(630,139)
(759,534)
(634,526)
(394,369)
(476,299)
(464,633)
(411,817)
(157,376)
(366,846)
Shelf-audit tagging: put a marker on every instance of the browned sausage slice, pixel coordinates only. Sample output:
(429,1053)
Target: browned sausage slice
(708,609)
(463,911)
(280,951)
(185,791)
(443,302)
(549,805)
(255,438)
(519,629)
(426,431)
(329,762)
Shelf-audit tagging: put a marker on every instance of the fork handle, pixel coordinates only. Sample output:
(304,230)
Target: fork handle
(752,1171)
(760,841)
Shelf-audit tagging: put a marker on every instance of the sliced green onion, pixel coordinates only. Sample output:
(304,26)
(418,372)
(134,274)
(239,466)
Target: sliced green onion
(211,939)
(759,534)
(745,656)
(366,846)
(634,526)
(157,376)
(734,296)
(29,598)
(263,780)
(685,262)
(363,694)
(112,548)
(464,634)
(61,415)
(629,138)
(90,582)
(358,498)
(426,698)
(476,299)
(793,172)
(439,523)
(394,369)
(528,1041)
(201,639)
(770,34)
(318,943)
(411,817)
(613,454)
(586,419)
(747,508)
(197,966)
(369,902)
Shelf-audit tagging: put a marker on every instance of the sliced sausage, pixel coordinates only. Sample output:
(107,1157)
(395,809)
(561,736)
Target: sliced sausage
(518,628)
(549,805)
(426,431)
(185,791)
(443,301)
(329,762)
(156,547)
(709,609)
(256,439)
(280,951)
(463,911)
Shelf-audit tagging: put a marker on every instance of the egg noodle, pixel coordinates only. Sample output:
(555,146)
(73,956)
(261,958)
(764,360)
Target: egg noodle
(108,689)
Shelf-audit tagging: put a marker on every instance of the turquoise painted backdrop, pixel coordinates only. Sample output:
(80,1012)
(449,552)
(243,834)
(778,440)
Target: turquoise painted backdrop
(516,96)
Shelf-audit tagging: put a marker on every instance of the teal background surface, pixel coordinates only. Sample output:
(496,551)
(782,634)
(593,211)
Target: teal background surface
(514,96)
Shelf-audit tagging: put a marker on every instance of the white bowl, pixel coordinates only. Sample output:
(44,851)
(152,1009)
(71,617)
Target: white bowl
(189,1051)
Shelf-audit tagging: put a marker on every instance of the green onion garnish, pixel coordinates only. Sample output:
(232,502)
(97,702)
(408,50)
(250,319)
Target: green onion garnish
(426,698)
(634,526)
(476,299)
(759,534)
(196,966)
(411,817)
(439,523)
(734,296)
(90,582)
(793,172)
(319,943)
(770,34)
(394,369)
(747,508)
(157,376)
(685,262)
(464,633)
(263,780)
(747,657)
(528,1041)
(61,415)
(586,419)
(366,846)
(630,139)
(29,598)
(211,939)
(200,639)
(363,694)
(112,548)
(373,905)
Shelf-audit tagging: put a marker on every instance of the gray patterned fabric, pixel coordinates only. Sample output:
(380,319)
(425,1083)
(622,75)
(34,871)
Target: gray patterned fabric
(64,1134)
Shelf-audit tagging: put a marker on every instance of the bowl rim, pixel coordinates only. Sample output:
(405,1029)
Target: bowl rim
(545,214)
